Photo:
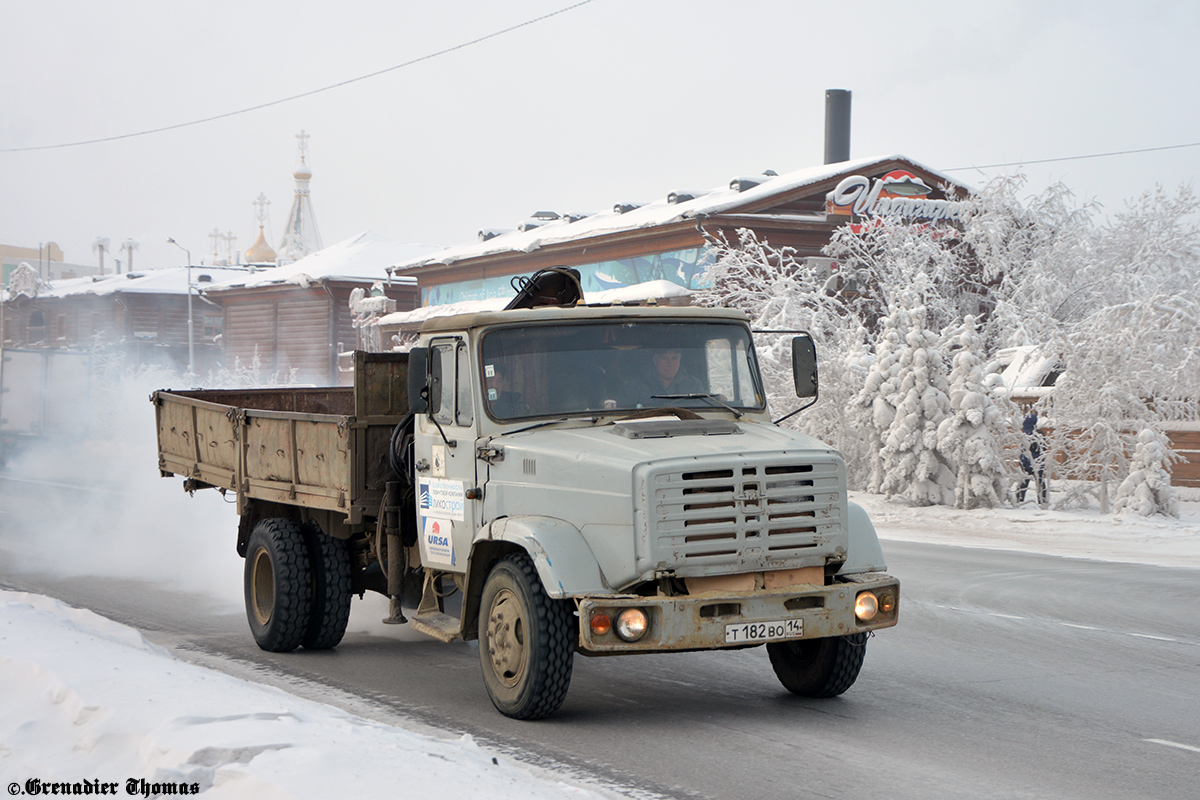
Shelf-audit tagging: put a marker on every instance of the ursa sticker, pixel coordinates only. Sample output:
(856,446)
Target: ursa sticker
(439,540)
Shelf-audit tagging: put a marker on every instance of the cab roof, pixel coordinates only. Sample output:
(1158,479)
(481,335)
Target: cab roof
(580,313)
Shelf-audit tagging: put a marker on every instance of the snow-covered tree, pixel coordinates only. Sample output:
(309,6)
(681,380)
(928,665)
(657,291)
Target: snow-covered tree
(977,433)
(860,442)
(1131,360)
(780,291)
(873,409)
(914,467)
(1116,305)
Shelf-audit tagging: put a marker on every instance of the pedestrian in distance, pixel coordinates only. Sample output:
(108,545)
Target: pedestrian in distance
(1033,461)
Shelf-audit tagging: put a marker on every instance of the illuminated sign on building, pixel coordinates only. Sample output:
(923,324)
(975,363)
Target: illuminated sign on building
(897,194)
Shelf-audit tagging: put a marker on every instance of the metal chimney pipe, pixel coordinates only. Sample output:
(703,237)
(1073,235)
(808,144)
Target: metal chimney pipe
(837,125)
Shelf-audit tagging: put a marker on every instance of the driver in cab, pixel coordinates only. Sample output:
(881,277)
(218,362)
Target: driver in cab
(668,377)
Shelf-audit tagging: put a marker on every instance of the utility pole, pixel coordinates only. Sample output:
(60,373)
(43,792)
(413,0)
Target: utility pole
(191,329)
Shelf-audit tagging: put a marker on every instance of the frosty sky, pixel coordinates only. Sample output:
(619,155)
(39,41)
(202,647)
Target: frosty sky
(614,101)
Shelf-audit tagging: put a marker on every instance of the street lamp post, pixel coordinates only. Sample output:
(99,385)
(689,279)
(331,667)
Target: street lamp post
(191,335)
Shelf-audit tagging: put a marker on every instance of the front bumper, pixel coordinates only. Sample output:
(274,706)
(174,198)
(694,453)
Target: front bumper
(699,622)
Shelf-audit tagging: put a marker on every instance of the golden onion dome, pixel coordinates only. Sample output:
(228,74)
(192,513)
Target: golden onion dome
(260,252)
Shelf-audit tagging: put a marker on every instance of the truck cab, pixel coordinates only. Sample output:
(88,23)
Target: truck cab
(620,463)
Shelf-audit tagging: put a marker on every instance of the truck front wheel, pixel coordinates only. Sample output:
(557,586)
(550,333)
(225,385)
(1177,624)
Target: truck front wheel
(526,641)
(818,667)
(278,583)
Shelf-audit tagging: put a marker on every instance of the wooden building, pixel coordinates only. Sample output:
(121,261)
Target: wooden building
(636,243)
(290,323)
(143,313)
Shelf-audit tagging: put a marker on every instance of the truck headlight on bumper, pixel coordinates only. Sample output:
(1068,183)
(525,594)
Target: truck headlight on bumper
(866,606)
(632,624)
(875,605)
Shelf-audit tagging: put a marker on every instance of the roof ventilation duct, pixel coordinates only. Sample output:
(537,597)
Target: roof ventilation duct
(492,233)
(625,208)
(745,182)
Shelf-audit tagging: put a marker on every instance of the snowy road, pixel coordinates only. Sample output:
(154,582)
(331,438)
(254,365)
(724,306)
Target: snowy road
(1010,675)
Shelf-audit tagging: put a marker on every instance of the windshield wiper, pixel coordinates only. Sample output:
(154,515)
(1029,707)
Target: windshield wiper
(711,397)
(546,422)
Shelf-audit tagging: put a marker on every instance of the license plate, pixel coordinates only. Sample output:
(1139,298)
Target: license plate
(742,632)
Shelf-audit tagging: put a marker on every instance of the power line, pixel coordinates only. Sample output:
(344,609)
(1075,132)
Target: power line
(310,93)
(1075,158)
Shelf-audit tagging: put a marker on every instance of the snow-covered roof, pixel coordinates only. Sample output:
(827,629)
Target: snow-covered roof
(660,212)
(1025,370)
(625,294)
(364,257)
(170,280)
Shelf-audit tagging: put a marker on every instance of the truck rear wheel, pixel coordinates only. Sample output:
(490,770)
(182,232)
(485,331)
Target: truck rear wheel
(526,641)
(278,583)
(818,667)
(331,589)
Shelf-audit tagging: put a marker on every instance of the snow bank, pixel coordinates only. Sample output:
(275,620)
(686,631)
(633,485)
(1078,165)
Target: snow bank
(1130,538)
(88,699)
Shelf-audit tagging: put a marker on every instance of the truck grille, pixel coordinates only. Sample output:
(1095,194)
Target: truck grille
(744,516)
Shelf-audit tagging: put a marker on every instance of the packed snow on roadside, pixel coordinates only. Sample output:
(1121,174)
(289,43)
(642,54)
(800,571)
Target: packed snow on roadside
(1084,533)
(86,699)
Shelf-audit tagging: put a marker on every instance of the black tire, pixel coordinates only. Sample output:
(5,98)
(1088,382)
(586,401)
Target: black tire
(526,641)
(331,589)
(818,667)
(278,584)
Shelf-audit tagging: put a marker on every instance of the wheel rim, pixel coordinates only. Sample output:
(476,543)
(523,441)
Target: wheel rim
(262,587)
(506,644)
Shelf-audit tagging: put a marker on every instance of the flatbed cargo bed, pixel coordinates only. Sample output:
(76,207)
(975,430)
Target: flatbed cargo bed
(320,448)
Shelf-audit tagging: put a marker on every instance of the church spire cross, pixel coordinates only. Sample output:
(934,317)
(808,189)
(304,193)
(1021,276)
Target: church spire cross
(260,208)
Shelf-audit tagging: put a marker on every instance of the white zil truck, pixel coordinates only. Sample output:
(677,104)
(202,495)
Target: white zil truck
(550,481)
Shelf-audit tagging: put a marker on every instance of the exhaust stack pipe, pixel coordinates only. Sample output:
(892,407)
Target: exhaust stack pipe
(837,125)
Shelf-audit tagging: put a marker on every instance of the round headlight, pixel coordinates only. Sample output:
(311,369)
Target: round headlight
(632,624)
(866,606)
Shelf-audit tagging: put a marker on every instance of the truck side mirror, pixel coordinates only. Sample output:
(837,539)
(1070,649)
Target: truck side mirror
(804,366)
(418,379)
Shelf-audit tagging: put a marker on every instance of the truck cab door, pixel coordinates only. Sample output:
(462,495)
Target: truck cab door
(445,458)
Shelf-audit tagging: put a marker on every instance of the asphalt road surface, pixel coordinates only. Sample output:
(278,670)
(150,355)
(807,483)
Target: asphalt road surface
(1009,676)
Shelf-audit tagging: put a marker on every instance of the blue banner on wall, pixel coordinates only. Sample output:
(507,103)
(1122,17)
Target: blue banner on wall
(687,268)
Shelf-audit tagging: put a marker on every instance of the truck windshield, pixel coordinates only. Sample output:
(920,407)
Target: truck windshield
(587,367)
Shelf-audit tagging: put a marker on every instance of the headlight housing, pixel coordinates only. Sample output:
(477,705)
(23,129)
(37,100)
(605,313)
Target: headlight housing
(866,606)
(632,624)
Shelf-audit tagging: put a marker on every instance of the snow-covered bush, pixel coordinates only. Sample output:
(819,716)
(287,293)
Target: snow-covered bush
(1147,489)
